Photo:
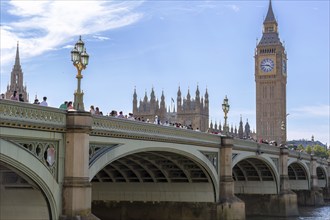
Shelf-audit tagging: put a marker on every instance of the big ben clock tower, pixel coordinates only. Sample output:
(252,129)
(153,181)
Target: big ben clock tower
(271,77)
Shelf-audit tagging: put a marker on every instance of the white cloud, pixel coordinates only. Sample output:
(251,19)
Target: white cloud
(67,47)
(40,26)
(100,38)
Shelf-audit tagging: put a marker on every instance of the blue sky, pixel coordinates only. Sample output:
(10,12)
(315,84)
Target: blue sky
(166,44)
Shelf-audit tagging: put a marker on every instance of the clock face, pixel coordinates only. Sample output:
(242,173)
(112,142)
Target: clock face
(267,65)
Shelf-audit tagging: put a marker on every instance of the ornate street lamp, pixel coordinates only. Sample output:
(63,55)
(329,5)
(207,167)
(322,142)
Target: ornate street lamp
(225,108)
(79,58)
(283,129)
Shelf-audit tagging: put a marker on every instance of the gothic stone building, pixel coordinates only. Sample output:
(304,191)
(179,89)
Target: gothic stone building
(16,80)
(190,111)
(271,78)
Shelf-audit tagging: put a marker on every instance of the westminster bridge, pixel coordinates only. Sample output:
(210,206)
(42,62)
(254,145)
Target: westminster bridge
(56,164)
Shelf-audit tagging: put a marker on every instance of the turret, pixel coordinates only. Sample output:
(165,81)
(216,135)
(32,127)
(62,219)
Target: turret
(152,95)
(135,109)
(145,97)
(206,101)
(240,129)
(197,98)
(188,103)
(247,129)
(179,101)
(162,101)
(16,79)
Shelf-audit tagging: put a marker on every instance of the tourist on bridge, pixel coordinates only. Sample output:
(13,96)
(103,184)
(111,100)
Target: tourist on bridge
(14,96)
(20,97)
(92,110)
(120,115)
(70,107)
(97,111)
(44,102)
(64,105)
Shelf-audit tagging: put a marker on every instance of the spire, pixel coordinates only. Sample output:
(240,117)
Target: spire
(179,92)
(247,129)
(240,129)
(206,95)
(178,101)
(16,78)
(270,14)
(188,95)
(152,95)
(17,61)
(197,93)
(270,34)
(134,94)
(163,96)
(145,97)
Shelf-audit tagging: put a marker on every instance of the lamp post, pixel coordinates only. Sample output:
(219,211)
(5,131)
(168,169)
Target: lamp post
(283,133)
(79,58)
(225,108)
(283,129)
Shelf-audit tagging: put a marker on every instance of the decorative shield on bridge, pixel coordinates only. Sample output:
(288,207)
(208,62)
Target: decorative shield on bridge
(50,156)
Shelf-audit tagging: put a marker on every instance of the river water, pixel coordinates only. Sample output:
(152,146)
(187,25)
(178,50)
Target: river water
(305,213)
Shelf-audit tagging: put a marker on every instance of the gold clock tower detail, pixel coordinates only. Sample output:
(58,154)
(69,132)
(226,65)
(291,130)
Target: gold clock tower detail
(271,78)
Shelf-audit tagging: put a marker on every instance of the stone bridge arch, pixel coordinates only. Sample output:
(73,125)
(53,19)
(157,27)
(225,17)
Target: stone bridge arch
(193,153)
(299,175)
(19,161)
(255,174)
(322,177)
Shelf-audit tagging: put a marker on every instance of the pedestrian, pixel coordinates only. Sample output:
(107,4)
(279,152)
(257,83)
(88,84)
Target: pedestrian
(44,102)
(92,110)
(69,107)
(14,96)
(120,115)
(64,105)
(97,111)
(131,117)
(20,97)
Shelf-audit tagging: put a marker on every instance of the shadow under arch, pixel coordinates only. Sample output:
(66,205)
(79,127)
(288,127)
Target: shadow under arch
(247,168)
(133,148)
(297,171)
(322,177)
(22,161)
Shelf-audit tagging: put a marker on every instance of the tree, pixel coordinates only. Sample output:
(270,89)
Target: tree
(309,149)
(301,148)
(320,151)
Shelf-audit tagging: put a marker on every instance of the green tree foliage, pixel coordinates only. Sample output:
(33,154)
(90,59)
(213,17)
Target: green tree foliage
(319,151)
(300,148)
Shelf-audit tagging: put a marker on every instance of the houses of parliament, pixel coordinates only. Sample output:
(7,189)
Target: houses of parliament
(191,112)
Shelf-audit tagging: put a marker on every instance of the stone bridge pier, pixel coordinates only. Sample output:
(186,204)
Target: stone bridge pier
(228,206)
(314,196)
(286,200)
(76,195)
